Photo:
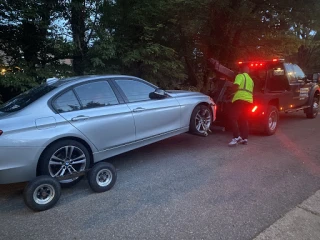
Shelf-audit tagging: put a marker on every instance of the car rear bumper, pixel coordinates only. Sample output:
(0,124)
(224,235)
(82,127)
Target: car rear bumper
(18,164)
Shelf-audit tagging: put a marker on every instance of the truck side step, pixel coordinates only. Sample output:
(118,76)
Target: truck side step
(296,109)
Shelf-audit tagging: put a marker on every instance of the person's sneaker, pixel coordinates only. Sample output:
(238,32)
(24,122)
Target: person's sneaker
(243,141)
(235,141)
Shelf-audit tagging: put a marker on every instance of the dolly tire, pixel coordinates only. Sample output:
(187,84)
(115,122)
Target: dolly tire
(42,193)
(102,177)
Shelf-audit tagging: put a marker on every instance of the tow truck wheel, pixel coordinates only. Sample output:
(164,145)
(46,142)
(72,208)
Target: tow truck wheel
(271,121)
(200,121)
(313,110)
(102,177)
(42,193)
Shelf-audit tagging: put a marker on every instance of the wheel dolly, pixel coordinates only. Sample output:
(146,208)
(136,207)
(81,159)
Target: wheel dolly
(43,192)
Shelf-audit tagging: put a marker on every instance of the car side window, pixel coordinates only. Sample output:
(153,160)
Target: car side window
(290,73)
(277,80)
(299,73)
(96,94)
(135,90)
(67,102)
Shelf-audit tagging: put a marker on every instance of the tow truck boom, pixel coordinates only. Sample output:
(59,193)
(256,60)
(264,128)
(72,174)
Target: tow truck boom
(221,70)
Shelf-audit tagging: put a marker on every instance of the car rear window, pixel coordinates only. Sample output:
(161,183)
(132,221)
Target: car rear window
(24,99)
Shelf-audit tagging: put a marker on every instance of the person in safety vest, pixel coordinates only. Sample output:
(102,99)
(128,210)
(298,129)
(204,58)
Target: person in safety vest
(241,103)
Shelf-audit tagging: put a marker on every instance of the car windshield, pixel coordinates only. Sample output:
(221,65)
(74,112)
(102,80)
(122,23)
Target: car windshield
(24,99)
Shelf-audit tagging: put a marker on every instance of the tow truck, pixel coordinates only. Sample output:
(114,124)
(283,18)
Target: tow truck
(279,87)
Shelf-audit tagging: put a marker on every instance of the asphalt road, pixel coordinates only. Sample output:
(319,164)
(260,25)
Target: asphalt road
(186,187)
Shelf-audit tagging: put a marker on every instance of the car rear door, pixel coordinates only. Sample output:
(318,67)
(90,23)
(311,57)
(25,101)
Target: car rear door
(152,117)
(95,110)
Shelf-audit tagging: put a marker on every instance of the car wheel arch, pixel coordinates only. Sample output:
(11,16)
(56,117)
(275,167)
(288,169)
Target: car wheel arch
(67,138)
(274,102)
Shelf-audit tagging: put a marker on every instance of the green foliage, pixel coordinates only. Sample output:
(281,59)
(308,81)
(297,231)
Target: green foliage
(167,42)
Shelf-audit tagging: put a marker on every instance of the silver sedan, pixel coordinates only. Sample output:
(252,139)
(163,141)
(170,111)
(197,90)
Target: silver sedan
(65,126)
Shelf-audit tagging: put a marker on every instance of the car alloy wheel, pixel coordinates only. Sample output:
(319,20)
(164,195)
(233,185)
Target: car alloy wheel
(63,158)
(67,160)
(203,120)
(200,121)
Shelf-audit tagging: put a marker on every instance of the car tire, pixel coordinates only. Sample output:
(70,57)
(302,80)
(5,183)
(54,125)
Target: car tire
(102,177)
(313,110)
(200,121)
(55,162)
(42,193)
(271,121)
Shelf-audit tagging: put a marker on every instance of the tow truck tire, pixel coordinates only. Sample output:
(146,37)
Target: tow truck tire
(102,177)
(201,118)
(42,193)
(271,121)
(313,110)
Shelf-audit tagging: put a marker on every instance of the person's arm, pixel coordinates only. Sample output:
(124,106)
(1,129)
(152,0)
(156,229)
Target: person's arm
(237,83)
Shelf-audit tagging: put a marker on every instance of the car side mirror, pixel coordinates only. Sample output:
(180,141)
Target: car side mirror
(158,94)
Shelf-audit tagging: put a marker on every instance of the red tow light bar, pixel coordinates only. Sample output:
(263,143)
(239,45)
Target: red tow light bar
(256,64)
(260,63)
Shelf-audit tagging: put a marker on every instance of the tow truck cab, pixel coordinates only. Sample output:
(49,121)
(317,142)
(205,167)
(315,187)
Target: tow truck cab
(279,87)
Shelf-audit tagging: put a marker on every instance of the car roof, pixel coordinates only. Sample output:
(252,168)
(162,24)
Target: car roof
(72,80)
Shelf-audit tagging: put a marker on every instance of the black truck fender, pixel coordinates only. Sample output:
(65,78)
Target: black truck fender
(314,91)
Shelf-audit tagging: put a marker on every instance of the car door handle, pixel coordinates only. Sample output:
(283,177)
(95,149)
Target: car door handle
(79,118)
(139,109)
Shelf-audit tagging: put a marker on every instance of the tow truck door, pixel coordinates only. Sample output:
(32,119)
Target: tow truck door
(277,85)
(299,87)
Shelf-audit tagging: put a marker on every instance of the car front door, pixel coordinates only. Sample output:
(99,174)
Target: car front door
(94,110)
(303,88)
(152,117)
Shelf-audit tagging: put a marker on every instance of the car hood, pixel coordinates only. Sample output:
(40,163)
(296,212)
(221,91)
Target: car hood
(183,93)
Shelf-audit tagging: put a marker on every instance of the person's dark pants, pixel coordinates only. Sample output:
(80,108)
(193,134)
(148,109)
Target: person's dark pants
(239,118)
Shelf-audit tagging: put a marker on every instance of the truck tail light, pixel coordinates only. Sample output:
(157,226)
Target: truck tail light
(1,132)
(254,109)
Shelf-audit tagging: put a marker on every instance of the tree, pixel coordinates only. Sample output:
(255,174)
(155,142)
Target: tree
(136,41)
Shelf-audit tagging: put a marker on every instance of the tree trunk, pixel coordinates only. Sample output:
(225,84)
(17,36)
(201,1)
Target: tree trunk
(78,33)
(192,78)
